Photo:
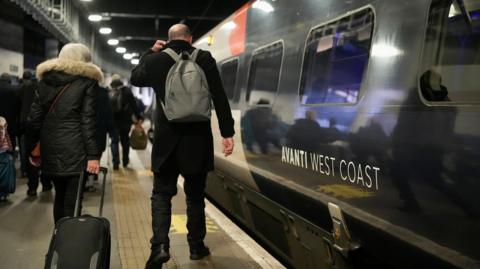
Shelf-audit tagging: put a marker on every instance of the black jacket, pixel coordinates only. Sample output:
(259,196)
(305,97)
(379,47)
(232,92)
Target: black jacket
(10,106)
(190,144)
(67,135)
(104,118)
(27,92)
(123,119)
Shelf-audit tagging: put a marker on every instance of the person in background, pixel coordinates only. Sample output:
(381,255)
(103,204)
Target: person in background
(10,106)
(124,107)
(63,120)
(27,92)
(181,148)
(7,167)
(104,127)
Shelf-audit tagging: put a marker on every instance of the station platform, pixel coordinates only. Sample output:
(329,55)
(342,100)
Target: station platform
(26,225)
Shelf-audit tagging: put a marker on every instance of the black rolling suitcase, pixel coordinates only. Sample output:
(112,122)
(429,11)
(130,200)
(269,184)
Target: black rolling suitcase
(81,242)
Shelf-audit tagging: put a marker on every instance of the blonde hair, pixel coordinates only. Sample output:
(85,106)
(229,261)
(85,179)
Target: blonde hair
(75,52)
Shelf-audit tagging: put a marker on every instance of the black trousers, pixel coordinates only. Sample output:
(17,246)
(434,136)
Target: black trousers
(121,136)
(33,174)
(65,196)
(164,188)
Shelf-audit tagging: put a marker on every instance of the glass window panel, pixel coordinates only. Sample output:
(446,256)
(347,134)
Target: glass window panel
(229,77)
(451,57)
(336,57)
(264,75)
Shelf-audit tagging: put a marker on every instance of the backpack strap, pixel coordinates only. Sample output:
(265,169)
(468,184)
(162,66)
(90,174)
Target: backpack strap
(194,55)
(172,54)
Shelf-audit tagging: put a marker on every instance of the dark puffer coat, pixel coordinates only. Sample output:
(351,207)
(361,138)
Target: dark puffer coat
(67,135)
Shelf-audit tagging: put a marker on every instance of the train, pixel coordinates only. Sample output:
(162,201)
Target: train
(358,143)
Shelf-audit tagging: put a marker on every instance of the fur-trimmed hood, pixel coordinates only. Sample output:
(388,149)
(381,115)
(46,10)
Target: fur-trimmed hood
(75,68)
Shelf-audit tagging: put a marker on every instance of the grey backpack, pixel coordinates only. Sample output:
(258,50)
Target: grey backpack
(187,95)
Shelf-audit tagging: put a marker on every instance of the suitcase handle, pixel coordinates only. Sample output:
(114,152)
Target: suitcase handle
(103,172)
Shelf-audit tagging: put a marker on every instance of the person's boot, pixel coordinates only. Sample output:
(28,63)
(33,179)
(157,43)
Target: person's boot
(31,193)
(200,252)
(159,256)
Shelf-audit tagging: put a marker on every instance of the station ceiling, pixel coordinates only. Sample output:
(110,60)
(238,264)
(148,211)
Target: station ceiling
(137,23)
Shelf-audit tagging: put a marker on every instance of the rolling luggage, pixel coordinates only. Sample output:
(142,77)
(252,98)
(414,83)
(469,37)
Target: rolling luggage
(81,242)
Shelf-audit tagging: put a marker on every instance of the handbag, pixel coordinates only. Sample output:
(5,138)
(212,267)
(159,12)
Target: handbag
(35,154)
(138,138)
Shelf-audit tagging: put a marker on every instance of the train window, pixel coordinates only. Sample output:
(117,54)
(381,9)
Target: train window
(228,71)
(335,60)
(264,74)
(451,56)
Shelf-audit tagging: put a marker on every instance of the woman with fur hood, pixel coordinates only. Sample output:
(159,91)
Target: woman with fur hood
(62,119)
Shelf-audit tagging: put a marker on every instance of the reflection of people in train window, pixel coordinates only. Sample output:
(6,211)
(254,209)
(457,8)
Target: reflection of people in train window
(332,134)
(420,142)
(305,133)
(261,123)
(432,88)
(369,142)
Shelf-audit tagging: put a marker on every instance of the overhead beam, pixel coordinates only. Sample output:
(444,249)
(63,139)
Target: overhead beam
(157,16)
(143,38)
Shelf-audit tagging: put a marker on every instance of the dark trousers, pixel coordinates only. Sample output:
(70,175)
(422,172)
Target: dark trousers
(65,196)
(121,135)
(23,155)
(33,174)
(164,188)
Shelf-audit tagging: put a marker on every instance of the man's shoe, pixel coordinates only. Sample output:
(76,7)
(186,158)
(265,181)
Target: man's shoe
(199,253)
(159,256)
(115,167)
(31,193)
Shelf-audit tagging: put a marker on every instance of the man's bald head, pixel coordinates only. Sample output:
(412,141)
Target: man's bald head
(179,32)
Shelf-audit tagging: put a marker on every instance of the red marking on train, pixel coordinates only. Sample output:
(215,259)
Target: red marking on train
(238,35)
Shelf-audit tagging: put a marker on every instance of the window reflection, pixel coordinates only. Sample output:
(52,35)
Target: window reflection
(335,59)
(264,74)
(452,49)
(229,77)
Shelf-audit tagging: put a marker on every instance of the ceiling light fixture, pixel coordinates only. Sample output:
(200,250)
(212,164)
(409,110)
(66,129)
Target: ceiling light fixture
(105,30)
(263,6)
(127,56)
(112,42)
(95,17)
(121,50)
(229,25)
(135,61)
(86,0)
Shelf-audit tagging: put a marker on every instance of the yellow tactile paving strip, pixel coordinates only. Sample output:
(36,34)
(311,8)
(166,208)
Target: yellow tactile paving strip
(133,220)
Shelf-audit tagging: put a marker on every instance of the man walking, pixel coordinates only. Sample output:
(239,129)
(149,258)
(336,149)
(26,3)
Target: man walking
(124,106)
(27,92)
(184,148)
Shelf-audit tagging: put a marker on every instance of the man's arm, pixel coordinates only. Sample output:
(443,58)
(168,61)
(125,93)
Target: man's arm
(220,102)
(141,74)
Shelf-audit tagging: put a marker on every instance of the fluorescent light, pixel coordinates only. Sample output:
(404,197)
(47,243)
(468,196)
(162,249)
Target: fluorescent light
(105,30)
(229,25)
(112,42)
(121,50)
(385,51)
(135,61)
(263,6)
(95,17)
(127,56)
(86,0)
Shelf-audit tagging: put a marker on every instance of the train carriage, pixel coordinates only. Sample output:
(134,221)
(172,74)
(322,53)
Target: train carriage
(357,136)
